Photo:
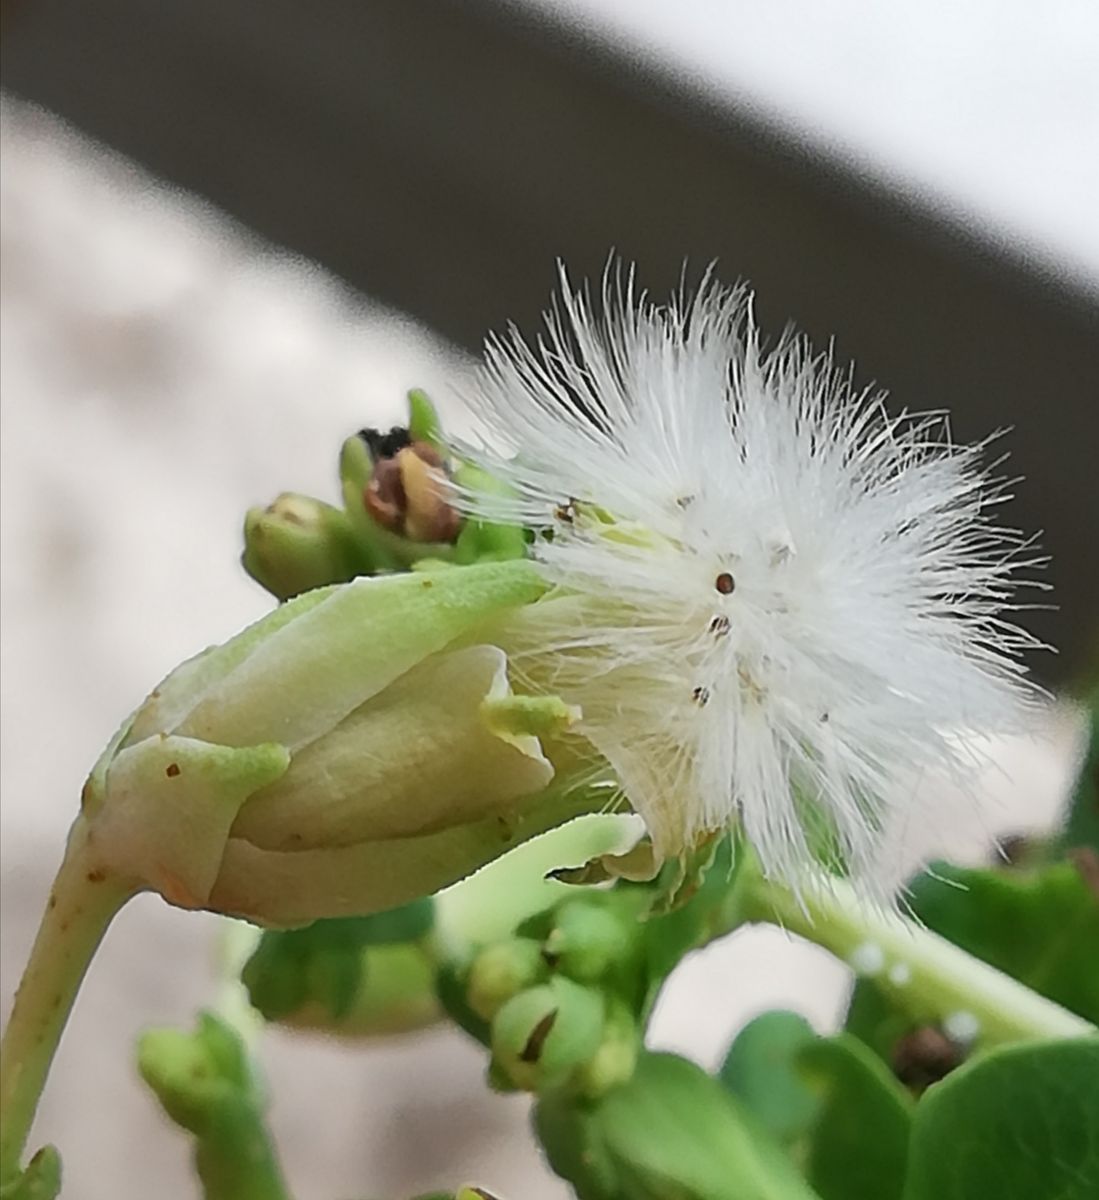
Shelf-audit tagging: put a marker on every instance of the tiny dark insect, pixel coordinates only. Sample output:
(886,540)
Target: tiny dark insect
(566,513)
(701,696)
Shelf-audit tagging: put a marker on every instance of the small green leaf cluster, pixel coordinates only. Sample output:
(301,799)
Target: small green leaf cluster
(355,976)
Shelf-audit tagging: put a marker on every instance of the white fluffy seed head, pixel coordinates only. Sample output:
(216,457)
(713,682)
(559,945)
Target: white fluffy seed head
(776,600)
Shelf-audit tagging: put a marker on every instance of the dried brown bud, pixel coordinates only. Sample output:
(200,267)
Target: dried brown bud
(407,494)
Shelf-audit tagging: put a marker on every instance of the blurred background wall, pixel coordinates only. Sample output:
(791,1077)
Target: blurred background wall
(288,214)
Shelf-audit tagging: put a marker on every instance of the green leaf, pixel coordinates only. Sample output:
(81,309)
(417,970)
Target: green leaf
(831,1101)
(860,1138)
(761,1068)
(1018,1124)
(325,962)
(674,1133)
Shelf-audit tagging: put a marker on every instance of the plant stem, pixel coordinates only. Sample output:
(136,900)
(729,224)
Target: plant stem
(928,977)
(82,903)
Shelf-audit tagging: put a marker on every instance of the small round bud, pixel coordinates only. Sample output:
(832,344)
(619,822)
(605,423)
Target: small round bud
(614,1061)
(500,971)
(587,938)
(542,1035)
(298,543)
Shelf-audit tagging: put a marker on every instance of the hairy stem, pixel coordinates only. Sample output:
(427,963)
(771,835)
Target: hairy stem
(82,903)
(927,976)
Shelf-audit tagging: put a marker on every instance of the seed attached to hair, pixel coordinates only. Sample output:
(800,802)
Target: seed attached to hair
(725,583)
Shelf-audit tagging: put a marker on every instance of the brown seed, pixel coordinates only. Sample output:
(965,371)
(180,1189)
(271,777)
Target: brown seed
(725,583)
(171,770)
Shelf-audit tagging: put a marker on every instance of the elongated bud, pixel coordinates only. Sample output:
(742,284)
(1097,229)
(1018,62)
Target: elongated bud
(298,543)
(205,1083)
(334,759)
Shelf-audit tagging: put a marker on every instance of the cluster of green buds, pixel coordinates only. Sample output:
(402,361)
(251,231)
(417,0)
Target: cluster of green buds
(560,999)
(562,1004)
(397,514)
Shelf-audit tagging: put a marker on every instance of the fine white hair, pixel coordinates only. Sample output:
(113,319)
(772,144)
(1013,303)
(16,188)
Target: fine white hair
(774,600)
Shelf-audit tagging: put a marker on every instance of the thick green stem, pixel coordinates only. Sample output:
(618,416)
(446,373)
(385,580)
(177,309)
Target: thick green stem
(84,900)
(925,975)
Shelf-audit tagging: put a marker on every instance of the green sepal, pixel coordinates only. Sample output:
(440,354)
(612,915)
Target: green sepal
(481,540)
(172,803)
(423,420)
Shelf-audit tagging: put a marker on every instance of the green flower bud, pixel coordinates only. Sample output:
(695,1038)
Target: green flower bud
(589,936)
(500,971)
(298,543)
(334,759)
(205,1083)
(614,1061)
(541,1036)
